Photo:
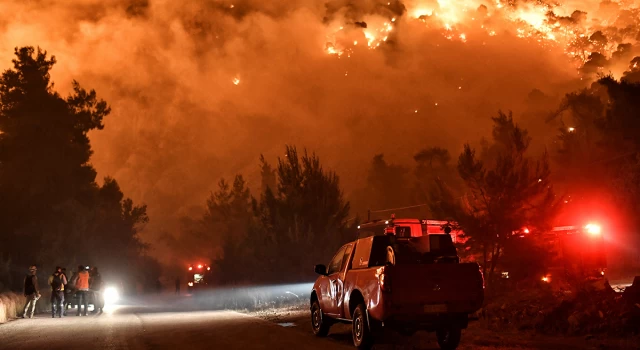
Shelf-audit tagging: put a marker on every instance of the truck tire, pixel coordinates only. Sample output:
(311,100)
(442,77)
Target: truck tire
(362,338)
(449,337)
(319,324)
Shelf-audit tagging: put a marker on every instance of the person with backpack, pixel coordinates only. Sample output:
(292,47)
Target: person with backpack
(57,281)
(82,289)
(31,291)
(95,284)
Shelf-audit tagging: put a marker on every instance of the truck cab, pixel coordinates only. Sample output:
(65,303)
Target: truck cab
(397,276)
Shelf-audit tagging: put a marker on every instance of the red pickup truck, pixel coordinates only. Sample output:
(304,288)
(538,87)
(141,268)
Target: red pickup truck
(391,278)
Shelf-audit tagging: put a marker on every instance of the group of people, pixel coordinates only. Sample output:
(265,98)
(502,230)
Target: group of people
(84,283)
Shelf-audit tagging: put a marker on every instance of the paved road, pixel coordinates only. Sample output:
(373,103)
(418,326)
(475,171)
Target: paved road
(160,325)
(173,323)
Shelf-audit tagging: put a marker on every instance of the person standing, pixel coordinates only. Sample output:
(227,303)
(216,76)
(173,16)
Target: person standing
(177,285)
(31,291)
(57,282)
(68,289)
(96,286)
(82,289)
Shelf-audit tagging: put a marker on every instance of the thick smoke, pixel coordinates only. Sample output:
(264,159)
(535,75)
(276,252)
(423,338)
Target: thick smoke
(199,88)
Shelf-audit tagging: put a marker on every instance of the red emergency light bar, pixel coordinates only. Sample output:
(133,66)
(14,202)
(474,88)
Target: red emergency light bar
(200,266)
(434,222)
(591,228)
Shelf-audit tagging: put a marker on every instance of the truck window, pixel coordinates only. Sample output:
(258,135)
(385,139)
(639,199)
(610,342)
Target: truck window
(415,250)
(345,259)
(425,249)
(441,244)
(403,232)
(379,250)
(336,262)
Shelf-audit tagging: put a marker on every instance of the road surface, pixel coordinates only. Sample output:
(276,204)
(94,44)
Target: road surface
(159,324)
(172,323)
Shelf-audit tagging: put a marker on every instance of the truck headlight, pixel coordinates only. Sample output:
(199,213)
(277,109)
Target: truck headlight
(111,296)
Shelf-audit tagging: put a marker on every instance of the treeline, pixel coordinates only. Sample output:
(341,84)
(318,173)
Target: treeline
(493,191)
(297,220)
(52,210)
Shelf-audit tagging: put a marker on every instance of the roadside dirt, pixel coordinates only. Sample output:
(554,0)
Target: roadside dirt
(476,337)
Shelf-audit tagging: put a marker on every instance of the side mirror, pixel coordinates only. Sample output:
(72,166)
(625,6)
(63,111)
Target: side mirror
(321,270)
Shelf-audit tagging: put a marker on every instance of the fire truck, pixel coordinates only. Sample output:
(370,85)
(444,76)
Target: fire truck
(200,278)
(580,252)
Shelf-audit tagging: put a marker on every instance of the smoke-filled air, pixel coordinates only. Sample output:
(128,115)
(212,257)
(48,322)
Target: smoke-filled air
(200,88)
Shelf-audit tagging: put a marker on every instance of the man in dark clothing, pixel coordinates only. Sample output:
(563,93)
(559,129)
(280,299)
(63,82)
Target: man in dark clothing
(31,292)
(57,282)
(68,291)
(96,286)
(177,285)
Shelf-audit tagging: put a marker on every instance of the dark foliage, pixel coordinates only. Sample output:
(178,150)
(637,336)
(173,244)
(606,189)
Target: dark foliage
(505,192)
(52,210)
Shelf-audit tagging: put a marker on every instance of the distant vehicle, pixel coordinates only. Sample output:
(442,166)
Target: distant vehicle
(73,302)
(200,278)
(580,250)
(397,276)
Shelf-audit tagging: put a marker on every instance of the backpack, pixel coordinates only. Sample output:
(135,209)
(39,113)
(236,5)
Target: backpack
(56,282)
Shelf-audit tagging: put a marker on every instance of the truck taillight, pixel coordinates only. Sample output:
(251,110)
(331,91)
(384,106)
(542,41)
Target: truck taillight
(385,282)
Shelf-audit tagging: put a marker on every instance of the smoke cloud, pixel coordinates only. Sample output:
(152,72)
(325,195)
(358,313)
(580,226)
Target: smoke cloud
(199,88)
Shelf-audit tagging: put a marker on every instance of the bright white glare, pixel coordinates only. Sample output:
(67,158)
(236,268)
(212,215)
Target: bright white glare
(593,229)
(111,296)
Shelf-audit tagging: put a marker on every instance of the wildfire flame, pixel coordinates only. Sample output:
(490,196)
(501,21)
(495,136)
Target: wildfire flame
(552,25)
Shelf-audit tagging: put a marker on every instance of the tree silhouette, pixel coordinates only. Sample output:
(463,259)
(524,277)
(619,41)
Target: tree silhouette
(50,199)
(504,193)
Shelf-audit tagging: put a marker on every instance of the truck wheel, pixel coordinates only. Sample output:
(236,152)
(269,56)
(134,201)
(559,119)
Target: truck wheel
(449,337)
(319,324)
(361,332)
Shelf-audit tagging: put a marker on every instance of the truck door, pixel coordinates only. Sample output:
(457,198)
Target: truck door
(337,274)
(326,284)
